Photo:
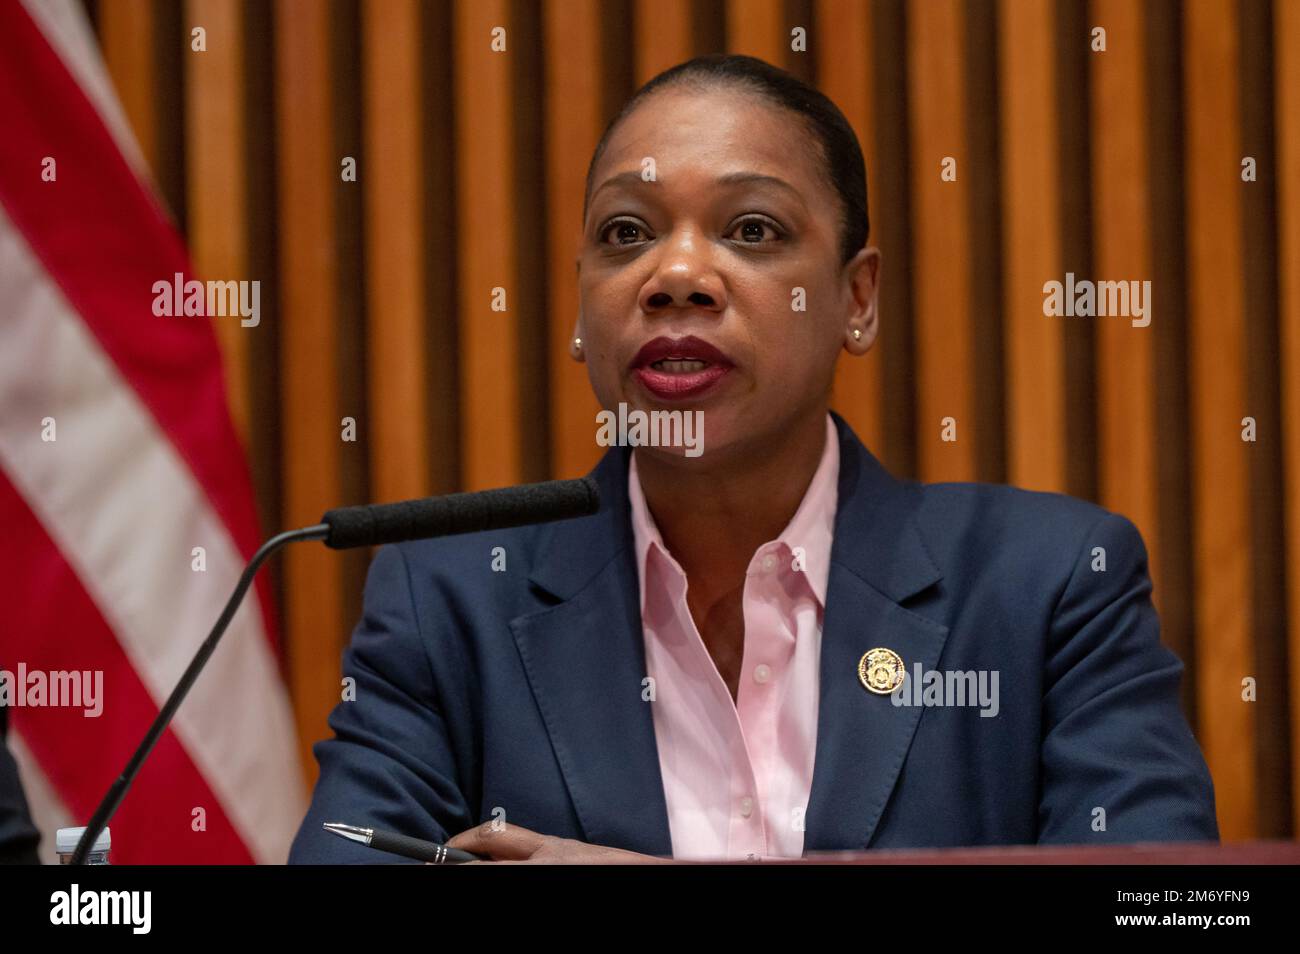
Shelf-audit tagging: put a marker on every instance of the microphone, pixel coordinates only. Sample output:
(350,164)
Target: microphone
(346,527)
(460,513)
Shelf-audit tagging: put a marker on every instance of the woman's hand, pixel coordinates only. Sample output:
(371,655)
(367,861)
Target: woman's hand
(513,843)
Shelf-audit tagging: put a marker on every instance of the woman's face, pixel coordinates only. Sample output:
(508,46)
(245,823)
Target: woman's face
(727,260)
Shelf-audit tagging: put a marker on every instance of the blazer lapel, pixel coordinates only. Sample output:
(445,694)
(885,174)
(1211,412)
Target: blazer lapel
(878,559)
(585,662)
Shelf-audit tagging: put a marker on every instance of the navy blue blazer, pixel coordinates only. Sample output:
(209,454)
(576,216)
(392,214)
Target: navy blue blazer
(518,694)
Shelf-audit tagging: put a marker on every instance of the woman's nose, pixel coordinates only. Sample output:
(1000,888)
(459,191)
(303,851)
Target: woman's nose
(684,276)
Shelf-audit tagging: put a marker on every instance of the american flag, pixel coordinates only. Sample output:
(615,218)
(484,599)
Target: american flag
(118,457)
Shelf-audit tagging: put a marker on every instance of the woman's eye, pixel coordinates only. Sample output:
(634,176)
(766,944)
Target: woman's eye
(623,231)
(750,231)
(754,231)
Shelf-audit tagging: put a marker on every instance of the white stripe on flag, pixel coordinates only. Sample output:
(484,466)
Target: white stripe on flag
(125,512)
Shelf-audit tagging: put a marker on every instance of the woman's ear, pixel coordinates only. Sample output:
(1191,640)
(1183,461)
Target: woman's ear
(862,272)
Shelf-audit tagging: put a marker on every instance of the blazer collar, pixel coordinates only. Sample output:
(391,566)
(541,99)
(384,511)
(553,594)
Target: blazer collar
(585,659)
(876,536)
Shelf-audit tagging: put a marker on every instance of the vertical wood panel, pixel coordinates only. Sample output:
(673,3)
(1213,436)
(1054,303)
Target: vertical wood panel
(1126,382)
(217,180)
(1035,366)
(984,242)
(1286,47)
(1167,185)
(941,230)
(144,47)
(575,74)
(128,32)
(316,613)
(889,175)
(1074,198)
(396,307)
(665,35)
(1266,542)
(758,28)
(1220,464)
(846,42)
(490,409)
(442,241)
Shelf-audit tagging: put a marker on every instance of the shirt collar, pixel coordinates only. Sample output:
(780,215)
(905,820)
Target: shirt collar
(812,527)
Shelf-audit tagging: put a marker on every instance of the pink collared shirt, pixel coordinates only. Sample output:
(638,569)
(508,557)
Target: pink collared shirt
(737,774)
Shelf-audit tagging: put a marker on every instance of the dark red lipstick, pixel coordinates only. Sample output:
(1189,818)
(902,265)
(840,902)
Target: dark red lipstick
(680,368)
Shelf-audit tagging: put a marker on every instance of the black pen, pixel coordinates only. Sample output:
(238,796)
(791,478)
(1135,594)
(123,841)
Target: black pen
(403,845)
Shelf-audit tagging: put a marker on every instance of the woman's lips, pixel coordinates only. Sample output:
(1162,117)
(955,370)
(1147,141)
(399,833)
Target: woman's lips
(670,385)
(680,368)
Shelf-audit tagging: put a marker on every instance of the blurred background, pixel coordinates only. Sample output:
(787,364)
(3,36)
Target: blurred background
(1122,163)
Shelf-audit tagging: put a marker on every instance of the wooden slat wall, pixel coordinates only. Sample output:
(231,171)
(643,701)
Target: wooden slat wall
(758,28)
(665,35)
(889,174)
(846,76)
(312,412)
(1122,239)
(128,33)
(1286,58)
(1165,176)
(1271,716)
(576,116)
(216,130)
(945,337)
(486,153)
(1035,363)
(1217,322)
(472,163)
(397,306)
(144,44)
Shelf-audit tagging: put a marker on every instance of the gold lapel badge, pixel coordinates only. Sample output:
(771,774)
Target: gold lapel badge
(881,670)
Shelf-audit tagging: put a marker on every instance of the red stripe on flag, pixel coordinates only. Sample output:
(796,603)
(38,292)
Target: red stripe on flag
(51,624)
(103,239)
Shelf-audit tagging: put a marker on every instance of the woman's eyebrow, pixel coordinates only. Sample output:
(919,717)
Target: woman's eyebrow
(630,177)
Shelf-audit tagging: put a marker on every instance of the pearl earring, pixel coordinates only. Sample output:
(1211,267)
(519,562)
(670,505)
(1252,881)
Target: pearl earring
(857,334)
(577,344)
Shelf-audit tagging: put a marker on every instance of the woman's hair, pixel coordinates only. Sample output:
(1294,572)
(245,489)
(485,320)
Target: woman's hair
(841,154)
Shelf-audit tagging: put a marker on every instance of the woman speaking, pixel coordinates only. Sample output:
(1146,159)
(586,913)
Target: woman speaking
(763,645)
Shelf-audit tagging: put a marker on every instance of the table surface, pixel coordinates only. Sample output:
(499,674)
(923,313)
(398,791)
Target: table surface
(1153,853)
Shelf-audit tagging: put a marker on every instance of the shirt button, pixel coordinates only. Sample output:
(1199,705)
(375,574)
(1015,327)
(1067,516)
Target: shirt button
(746,806)
(769,561)
(761,673)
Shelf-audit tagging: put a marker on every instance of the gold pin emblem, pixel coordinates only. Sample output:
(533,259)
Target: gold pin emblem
(881,670)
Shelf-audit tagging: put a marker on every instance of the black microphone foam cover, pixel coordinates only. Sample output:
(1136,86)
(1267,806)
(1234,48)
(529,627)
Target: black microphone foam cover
(376,524)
